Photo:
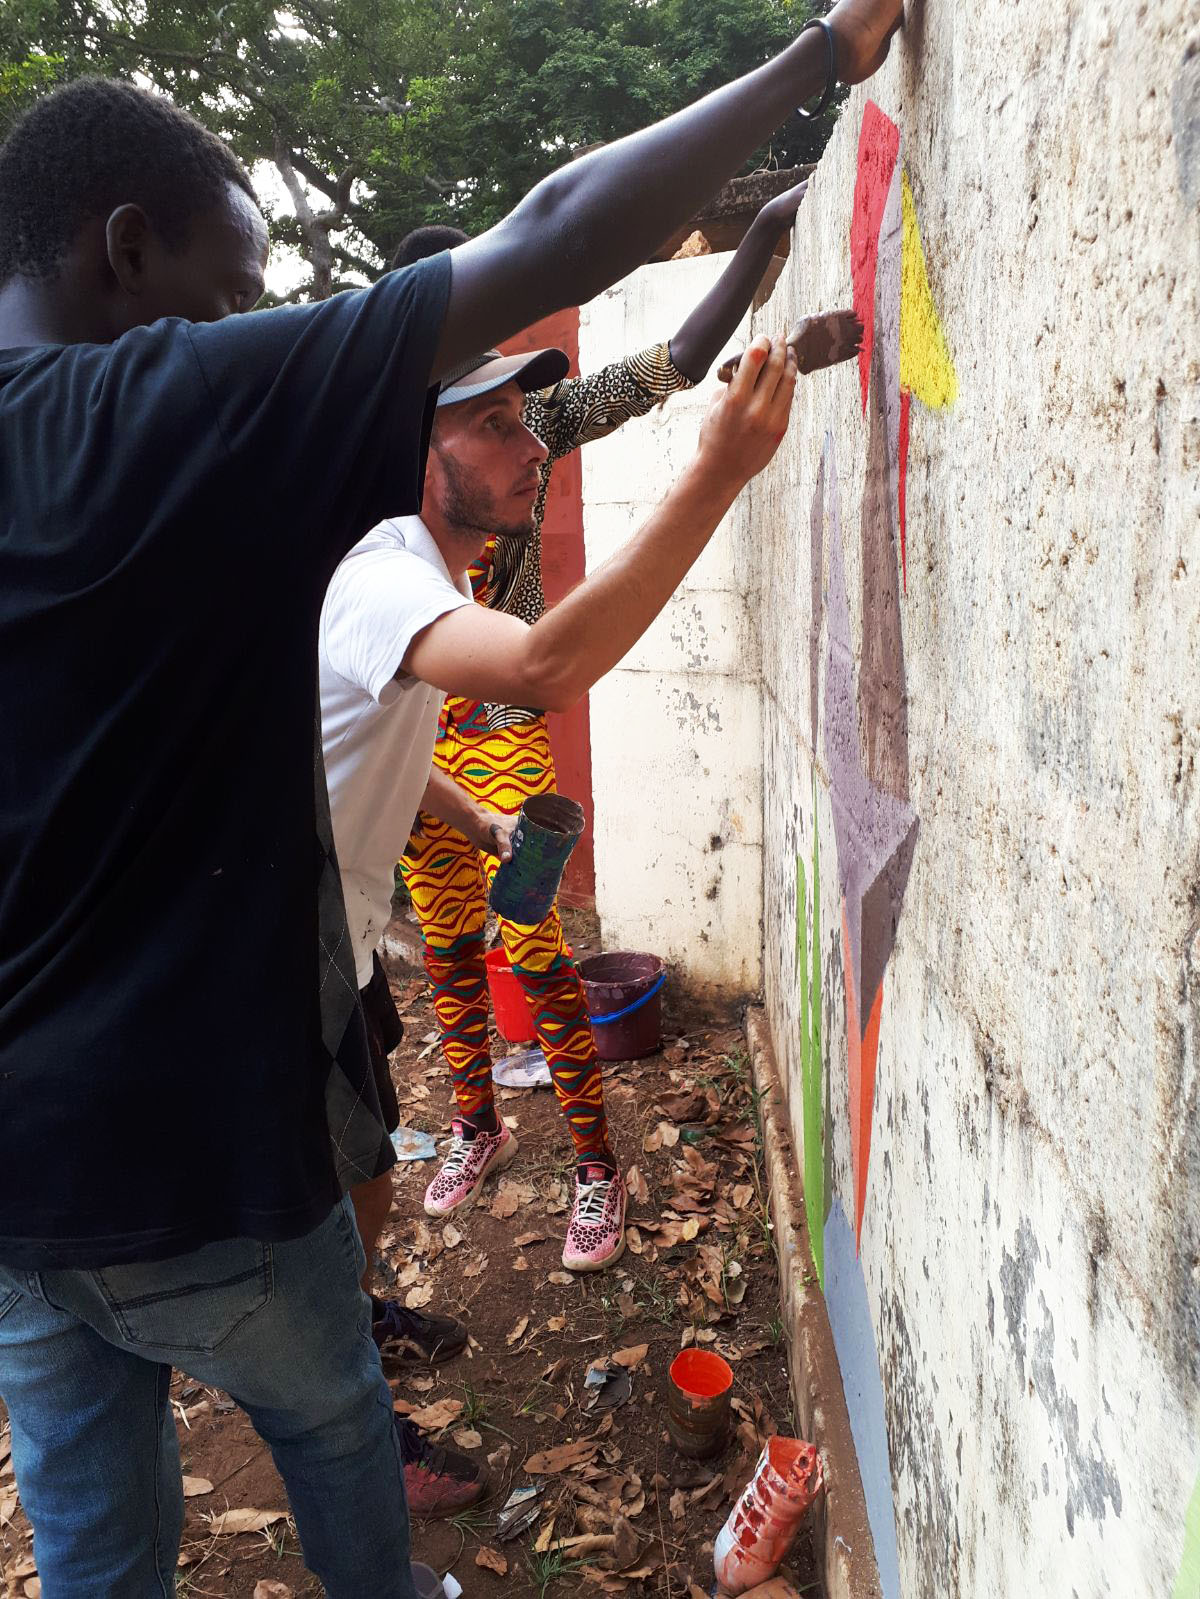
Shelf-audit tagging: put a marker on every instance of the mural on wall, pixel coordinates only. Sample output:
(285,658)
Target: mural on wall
(864,722)
(812,1065)
(865,729)
(866,709)
(812,1075)
(884,223)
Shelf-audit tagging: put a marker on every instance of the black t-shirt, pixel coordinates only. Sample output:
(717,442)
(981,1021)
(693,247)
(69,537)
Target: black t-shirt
(182,1055)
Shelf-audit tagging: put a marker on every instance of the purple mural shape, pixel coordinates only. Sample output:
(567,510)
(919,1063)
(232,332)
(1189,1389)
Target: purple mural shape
(876,832)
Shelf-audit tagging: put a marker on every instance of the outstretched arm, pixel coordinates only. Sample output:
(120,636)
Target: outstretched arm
(594,220)
(578,410)
(704,334)
(488,655)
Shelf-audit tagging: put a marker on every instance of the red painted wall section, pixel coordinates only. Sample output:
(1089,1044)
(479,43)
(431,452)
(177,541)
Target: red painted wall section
(562,568)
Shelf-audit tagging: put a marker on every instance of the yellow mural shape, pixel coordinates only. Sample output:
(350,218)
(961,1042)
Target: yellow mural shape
(925,365)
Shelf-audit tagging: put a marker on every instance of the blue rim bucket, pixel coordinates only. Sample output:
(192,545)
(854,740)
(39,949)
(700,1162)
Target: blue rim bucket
(624,1000)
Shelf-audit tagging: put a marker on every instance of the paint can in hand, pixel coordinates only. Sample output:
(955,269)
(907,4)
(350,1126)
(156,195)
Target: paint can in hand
(548,829)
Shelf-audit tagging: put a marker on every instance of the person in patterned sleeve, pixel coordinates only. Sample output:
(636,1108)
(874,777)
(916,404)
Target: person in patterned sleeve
(500,755)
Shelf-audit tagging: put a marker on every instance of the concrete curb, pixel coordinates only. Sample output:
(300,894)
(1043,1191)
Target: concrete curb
(844,1544)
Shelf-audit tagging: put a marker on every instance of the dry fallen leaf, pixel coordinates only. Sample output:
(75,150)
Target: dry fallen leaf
(409,1275)
(468,1438)
(518,1332)
(438,1416)
(232,1521)
(636,1185)
(451,1236)
(492,1560)
(628,1546)
(632,1356)
(562,1458)
(562,1278)
(193,1487)
(523,1240)
(417,1297)
(556,1324)
(476,1266)
(505,1203)
(32,1588)
(269,1588)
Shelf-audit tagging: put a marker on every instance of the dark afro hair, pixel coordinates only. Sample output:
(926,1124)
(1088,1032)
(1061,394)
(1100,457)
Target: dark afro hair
(92,146)
(415,246)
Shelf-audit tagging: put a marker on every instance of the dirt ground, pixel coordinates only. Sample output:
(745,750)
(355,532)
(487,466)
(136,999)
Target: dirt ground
(698,1268)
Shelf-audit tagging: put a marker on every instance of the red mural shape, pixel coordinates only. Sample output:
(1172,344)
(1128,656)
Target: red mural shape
(878,152)
(863,1049)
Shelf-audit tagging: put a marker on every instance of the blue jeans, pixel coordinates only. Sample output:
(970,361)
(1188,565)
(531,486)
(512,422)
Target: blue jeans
(285,1329)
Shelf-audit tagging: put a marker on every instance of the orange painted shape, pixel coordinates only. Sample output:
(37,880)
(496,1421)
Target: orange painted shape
(864,1059)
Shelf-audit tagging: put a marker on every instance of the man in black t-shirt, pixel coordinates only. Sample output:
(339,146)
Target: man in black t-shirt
(184,1082)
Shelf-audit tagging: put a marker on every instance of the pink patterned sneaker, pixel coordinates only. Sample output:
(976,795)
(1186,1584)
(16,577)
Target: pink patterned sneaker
(468,1163)
(596,1235)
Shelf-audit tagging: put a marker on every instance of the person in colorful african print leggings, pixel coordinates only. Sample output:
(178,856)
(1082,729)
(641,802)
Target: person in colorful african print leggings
(500,755)
(449,882)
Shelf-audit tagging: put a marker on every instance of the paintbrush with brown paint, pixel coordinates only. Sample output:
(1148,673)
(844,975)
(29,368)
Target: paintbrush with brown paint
(819,341)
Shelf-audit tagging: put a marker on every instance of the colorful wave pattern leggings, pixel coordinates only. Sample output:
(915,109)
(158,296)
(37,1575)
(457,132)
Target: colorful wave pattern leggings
(449,879)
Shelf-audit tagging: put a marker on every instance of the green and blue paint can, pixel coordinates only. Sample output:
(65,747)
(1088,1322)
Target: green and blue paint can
(548,829)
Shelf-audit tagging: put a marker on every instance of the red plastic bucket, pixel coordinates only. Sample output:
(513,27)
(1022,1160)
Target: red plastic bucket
(513,1021)
(624,1001)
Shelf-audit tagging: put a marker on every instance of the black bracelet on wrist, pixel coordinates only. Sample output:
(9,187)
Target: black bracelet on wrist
(830,68)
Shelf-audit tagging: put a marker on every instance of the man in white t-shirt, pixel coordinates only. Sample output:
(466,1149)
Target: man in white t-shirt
(399,630)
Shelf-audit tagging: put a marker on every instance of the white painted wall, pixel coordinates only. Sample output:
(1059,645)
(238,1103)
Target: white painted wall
(1020,1335)
(676,730)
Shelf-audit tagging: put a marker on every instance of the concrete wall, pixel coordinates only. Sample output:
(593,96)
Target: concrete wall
(981,749)
(676,731)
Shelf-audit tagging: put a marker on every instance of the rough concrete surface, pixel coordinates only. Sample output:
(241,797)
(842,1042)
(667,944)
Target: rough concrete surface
(1014,1109)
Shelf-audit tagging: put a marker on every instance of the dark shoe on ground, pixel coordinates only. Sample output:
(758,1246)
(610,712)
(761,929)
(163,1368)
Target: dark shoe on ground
(438,1481)
(411,1338)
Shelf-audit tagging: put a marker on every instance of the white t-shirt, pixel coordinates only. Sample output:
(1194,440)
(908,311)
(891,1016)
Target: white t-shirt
(379,731)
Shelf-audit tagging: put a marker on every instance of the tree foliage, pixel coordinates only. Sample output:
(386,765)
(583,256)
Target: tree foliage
(380,115)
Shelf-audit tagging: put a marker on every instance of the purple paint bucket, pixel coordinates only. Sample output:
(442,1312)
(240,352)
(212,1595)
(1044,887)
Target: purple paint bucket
(624,1000)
